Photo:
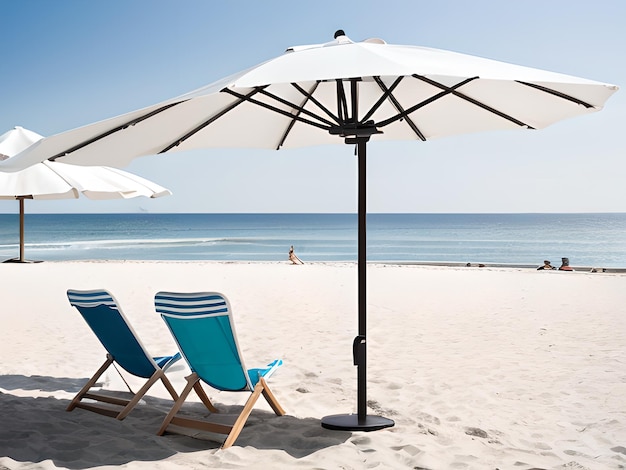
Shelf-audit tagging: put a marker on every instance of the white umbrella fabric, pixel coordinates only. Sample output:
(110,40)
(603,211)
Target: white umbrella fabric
(56,180)
(341,91)
(309,96)
(16,140)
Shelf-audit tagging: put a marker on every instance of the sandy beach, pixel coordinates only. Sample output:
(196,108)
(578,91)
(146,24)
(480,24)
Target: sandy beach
(481,368)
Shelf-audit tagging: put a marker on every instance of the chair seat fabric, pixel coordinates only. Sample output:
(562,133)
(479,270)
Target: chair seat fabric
(165,361)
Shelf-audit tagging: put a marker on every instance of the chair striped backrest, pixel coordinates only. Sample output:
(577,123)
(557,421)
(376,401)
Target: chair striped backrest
(101,312)
(201,323)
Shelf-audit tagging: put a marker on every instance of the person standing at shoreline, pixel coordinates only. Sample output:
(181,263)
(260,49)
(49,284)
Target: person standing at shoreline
(293,258)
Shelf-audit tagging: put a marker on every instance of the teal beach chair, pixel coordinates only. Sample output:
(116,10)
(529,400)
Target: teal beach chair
(103,315)
(202,325)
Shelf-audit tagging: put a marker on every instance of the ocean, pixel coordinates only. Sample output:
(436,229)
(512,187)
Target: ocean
(596,240)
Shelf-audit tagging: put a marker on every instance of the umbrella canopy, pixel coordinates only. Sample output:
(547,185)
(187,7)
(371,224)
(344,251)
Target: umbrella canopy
(56,180)
(337,92)
(307,96)
(16,140)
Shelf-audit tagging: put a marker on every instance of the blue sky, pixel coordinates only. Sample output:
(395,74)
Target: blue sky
(69,63)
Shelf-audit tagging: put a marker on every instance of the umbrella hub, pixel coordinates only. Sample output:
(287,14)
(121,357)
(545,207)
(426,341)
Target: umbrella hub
(353,132)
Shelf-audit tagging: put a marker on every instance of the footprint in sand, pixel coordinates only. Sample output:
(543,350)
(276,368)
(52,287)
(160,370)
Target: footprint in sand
(542,446)
(575,466)
(409,449)
(377,407)
(360,440)
(428,418)
(477,432)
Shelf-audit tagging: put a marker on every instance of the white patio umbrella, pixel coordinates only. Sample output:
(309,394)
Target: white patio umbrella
(56,180)
(341,91)
(16,140)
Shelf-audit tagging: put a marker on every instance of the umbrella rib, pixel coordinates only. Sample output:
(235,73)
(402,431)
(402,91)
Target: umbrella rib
(311,98)
(307,96)
(342,103)
(557,93)
(404,114)
(388,94)
(295,106)
(472,100)
(354,93)
(209,121)
(280,111)
(114,130)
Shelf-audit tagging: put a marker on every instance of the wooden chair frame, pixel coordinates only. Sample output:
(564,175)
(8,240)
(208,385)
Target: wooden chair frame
(126,404)
(232,432)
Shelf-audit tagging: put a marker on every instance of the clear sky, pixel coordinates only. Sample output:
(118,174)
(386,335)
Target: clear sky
(68,63)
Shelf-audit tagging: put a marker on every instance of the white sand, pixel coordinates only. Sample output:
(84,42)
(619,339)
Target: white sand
(481,368)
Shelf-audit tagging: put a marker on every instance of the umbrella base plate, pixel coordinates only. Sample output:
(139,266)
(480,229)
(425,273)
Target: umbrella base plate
(351,422)
(17,260)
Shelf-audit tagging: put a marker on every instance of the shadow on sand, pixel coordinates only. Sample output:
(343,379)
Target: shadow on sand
(38,429)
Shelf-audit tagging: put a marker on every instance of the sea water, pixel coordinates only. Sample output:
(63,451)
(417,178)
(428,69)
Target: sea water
(597,240)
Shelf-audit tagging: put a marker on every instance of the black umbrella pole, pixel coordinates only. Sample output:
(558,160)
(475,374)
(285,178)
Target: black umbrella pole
(21,229)
(361,421)
(360,342)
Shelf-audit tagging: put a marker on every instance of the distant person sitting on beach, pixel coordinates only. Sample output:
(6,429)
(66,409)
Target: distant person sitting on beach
(546,265)
(293,258)
(565,265)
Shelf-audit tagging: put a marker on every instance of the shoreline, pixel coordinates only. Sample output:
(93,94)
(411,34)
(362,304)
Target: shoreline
(583,269)
(591,269)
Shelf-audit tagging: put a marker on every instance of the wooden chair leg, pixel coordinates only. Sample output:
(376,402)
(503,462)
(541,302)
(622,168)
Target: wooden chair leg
(243,416)
(90,383)
(204,398)
(170,388)
(191,381)
(271,399)
(139,395)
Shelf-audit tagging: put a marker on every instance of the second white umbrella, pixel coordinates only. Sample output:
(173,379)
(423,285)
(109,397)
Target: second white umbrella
(56,180)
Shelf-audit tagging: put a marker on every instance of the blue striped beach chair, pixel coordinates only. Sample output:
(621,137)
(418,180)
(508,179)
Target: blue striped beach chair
(103,315)
(202,325)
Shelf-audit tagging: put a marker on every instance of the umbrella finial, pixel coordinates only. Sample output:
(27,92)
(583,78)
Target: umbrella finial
(338,33)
